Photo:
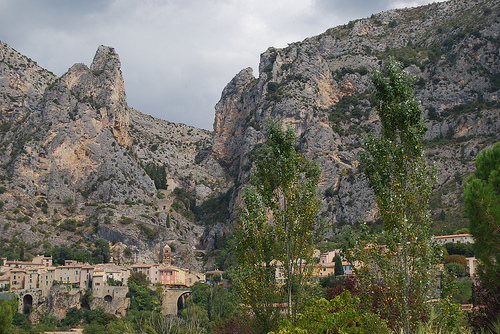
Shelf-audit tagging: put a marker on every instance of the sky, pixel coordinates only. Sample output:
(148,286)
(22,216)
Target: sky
(177,55)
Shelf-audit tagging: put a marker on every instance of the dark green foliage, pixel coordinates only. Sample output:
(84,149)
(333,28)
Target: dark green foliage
(7,310)
(127,252)
(125,220)
(469,107)
(214,301)
(142,298)
(339,269)
(91,315)
(60,254)
(86,299)
(459,249)
(274,92)
(184,203)
(73,317)
(139,279)
(482,205)
(94,328)
(101,253)
(158,174)
(68,225)
(347,108)
(113,282)
(455,269)
(214,209)
(463,292)
(148,232)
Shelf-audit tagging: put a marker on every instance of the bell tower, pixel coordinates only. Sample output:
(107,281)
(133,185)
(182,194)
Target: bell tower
(167,255)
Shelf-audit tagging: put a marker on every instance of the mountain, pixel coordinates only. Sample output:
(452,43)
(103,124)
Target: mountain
(75,160)
(78,164)
(322,87)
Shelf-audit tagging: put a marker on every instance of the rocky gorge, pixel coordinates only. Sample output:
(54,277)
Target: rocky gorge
(79,164)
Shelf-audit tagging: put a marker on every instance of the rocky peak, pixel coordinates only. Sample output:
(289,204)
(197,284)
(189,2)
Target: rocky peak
(102,87)
(228,115)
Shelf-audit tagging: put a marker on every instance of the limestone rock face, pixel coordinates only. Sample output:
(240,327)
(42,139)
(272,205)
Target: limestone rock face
(69,143)
(61,298)
(321,87)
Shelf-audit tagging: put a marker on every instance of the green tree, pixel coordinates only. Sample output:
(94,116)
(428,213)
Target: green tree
(397,171)
(6,315)
(482,205)
(101,253)
(143,298)
(339,269)
(212,301)
(139,279)
(276,226)
(342,314)
(455,269)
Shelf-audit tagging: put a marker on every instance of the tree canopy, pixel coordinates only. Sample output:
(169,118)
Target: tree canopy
(397,276)
(275,236)
(482,205)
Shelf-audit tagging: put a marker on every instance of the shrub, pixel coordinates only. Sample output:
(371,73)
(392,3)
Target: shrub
(127,252)
(339,315)
(460,259)
(68,225)
(455,269)
(125,220)
(68,200)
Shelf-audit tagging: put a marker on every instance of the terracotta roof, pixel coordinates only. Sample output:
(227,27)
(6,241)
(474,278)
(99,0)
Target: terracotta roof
(452,236)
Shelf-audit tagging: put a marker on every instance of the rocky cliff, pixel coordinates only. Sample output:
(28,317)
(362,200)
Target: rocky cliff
(321,86)
(75,159)
(79,164)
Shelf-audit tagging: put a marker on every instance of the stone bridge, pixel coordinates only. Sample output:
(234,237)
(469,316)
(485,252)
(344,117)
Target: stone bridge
(174,300)
(27,298)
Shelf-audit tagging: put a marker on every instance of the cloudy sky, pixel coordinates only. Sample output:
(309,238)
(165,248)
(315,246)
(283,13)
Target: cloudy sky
(177,55)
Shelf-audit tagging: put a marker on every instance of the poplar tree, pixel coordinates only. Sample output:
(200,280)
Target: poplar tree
(395,278)
(276,226)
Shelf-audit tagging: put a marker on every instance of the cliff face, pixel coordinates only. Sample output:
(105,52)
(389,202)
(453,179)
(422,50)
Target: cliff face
(321,86)
(74,158)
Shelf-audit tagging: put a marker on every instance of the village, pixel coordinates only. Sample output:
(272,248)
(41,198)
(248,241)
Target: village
(34,281)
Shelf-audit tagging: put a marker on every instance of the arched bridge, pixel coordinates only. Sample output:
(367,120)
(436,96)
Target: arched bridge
(174,299)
